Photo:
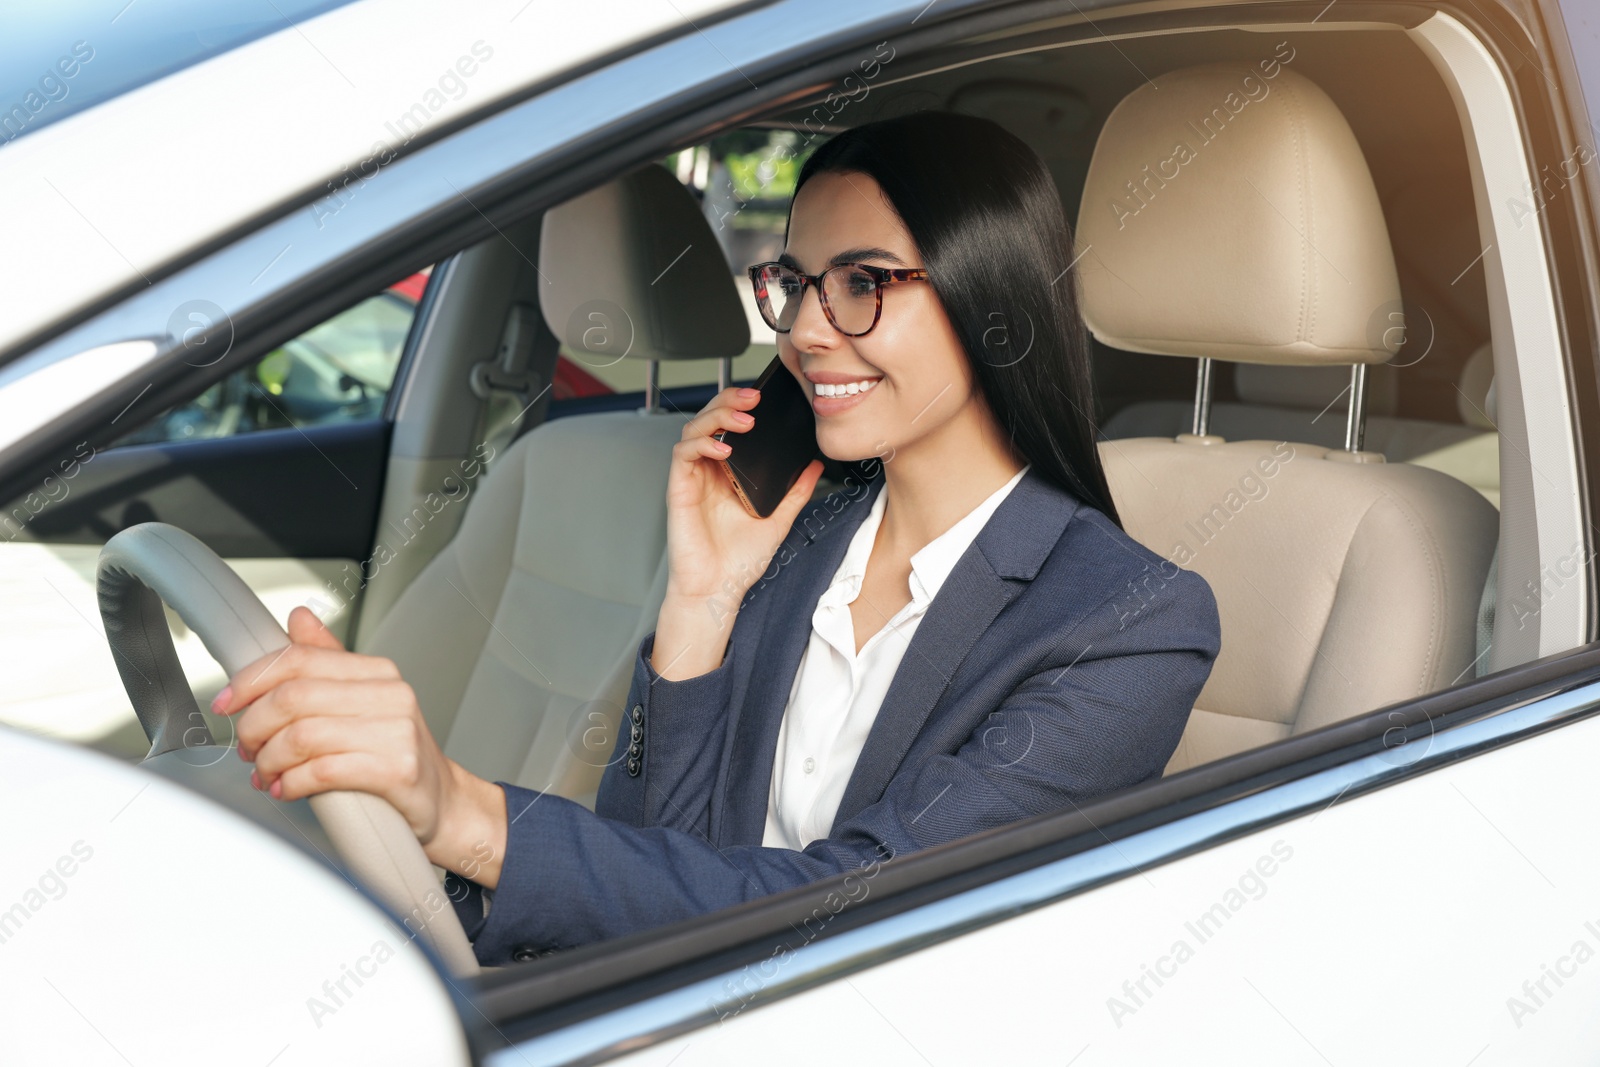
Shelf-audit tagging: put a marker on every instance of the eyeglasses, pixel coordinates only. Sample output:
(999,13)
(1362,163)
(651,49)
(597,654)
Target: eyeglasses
(851,293)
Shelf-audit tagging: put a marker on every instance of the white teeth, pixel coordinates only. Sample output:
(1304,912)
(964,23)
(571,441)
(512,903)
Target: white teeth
(847,389)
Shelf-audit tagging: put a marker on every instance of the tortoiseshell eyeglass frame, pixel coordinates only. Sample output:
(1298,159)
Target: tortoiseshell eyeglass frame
(881,275)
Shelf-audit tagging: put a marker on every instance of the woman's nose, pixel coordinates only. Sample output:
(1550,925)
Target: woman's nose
(811,328)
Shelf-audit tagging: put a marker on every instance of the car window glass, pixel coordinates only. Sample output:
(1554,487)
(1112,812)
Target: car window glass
(337,371)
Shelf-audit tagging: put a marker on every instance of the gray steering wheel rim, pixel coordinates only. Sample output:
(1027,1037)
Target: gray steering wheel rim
(152,563)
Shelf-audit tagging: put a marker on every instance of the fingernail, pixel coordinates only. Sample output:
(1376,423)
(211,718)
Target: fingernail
(745,416)
(221,700)
(277,789)
(746,391)
(724,446)
(255,779)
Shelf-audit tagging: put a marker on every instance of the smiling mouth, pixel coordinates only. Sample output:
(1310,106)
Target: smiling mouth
(844,388)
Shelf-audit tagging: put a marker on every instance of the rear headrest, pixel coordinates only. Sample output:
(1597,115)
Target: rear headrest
(1475,401)
(1229,212)
(632,268)
(1316,388)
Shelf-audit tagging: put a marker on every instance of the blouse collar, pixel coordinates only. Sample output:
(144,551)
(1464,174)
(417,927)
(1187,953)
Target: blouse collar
(930,565)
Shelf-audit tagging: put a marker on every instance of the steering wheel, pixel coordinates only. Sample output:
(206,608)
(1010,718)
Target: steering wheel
(151,563)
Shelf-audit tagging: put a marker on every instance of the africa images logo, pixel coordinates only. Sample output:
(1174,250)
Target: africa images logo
(51,87)
(1143,188)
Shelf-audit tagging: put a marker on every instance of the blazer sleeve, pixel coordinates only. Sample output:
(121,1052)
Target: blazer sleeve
(673,788)
(1104,713)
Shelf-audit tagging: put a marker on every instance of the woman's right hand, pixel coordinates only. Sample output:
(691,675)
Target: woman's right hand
(716,550)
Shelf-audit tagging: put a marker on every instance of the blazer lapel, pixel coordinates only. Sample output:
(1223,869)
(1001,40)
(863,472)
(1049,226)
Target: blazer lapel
(818,545)
(1006,554)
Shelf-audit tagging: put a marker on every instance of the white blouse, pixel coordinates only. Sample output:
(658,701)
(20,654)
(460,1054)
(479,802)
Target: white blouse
(837,692)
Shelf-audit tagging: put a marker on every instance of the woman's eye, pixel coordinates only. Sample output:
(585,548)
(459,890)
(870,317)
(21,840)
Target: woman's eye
(859,284)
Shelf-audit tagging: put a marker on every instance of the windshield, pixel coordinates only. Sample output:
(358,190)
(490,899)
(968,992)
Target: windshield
(58,58)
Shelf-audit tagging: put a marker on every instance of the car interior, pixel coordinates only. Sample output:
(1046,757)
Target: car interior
(1340,554)
(1261,421)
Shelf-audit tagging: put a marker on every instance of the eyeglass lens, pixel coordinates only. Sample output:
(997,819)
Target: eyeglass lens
(851,297)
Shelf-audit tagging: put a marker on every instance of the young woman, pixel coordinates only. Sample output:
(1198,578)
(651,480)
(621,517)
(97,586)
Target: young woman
(965,639)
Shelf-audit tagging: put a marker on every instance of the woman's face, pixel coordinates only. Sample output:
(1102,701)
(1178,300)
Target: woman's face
(922,380)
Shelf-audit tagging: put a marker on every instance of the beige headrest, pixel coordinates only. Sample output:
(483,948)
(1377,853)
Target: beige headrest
(1475,401)
(1316,388)
(633,268)
(1229,212)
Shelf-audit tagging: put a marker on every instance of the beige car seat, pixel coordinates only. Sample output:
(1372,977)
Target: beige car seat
(519,636)
(1310,403)
(1228,215)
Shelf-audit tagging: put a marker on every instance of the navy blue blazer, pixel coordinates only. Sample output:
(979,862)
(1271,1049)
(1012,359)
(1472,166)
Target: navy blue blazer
(1058,663)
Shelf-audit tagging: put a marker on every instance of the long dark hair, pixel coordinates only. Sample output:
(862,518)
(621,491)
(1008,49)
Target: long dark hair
(984,212)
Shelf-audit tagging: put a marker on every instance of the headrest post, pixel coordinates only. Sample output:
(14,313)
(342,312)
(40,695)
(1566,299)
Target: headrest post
(724,372)
(652,386)
(1202,398)
(1355,427)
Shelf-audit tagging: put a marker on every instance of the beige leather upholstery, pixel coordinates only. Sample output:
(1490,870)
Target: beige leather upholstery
(1475,398)
(1468,452)
(1475,457)
(1473,460)
(1232,215)
(519,636)
(633,269)
(1342,586)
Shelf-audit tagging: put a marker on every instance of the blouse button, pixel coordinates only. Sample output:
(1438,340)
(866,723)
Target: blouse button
(810,764)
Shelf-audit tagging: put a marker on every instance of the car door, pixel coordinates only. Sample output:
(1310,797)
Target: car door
(1401,887)
(1008,947)
(278,467)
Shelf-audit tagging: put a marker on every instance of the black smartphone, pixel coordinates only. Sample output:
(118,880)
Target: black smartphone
(767,458)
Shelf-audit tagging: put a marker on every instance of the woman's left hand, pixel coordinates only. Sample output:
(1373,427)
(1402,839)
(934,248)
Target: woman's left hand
(316,717)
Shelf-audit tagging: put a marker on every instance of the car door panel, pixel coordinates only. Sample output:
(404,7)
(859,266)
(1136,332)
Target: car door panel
(292,510)
(1448,913)
(291,492)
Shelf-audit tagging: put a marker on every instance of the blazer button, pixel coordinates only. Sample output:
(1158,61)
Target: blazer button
(637,733)
(524,953)
(633,768)
(638,714)
(636,750)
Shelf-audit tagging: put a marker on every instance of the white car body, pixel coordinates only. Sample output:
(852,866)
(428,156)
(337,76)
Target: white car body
(143,924)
